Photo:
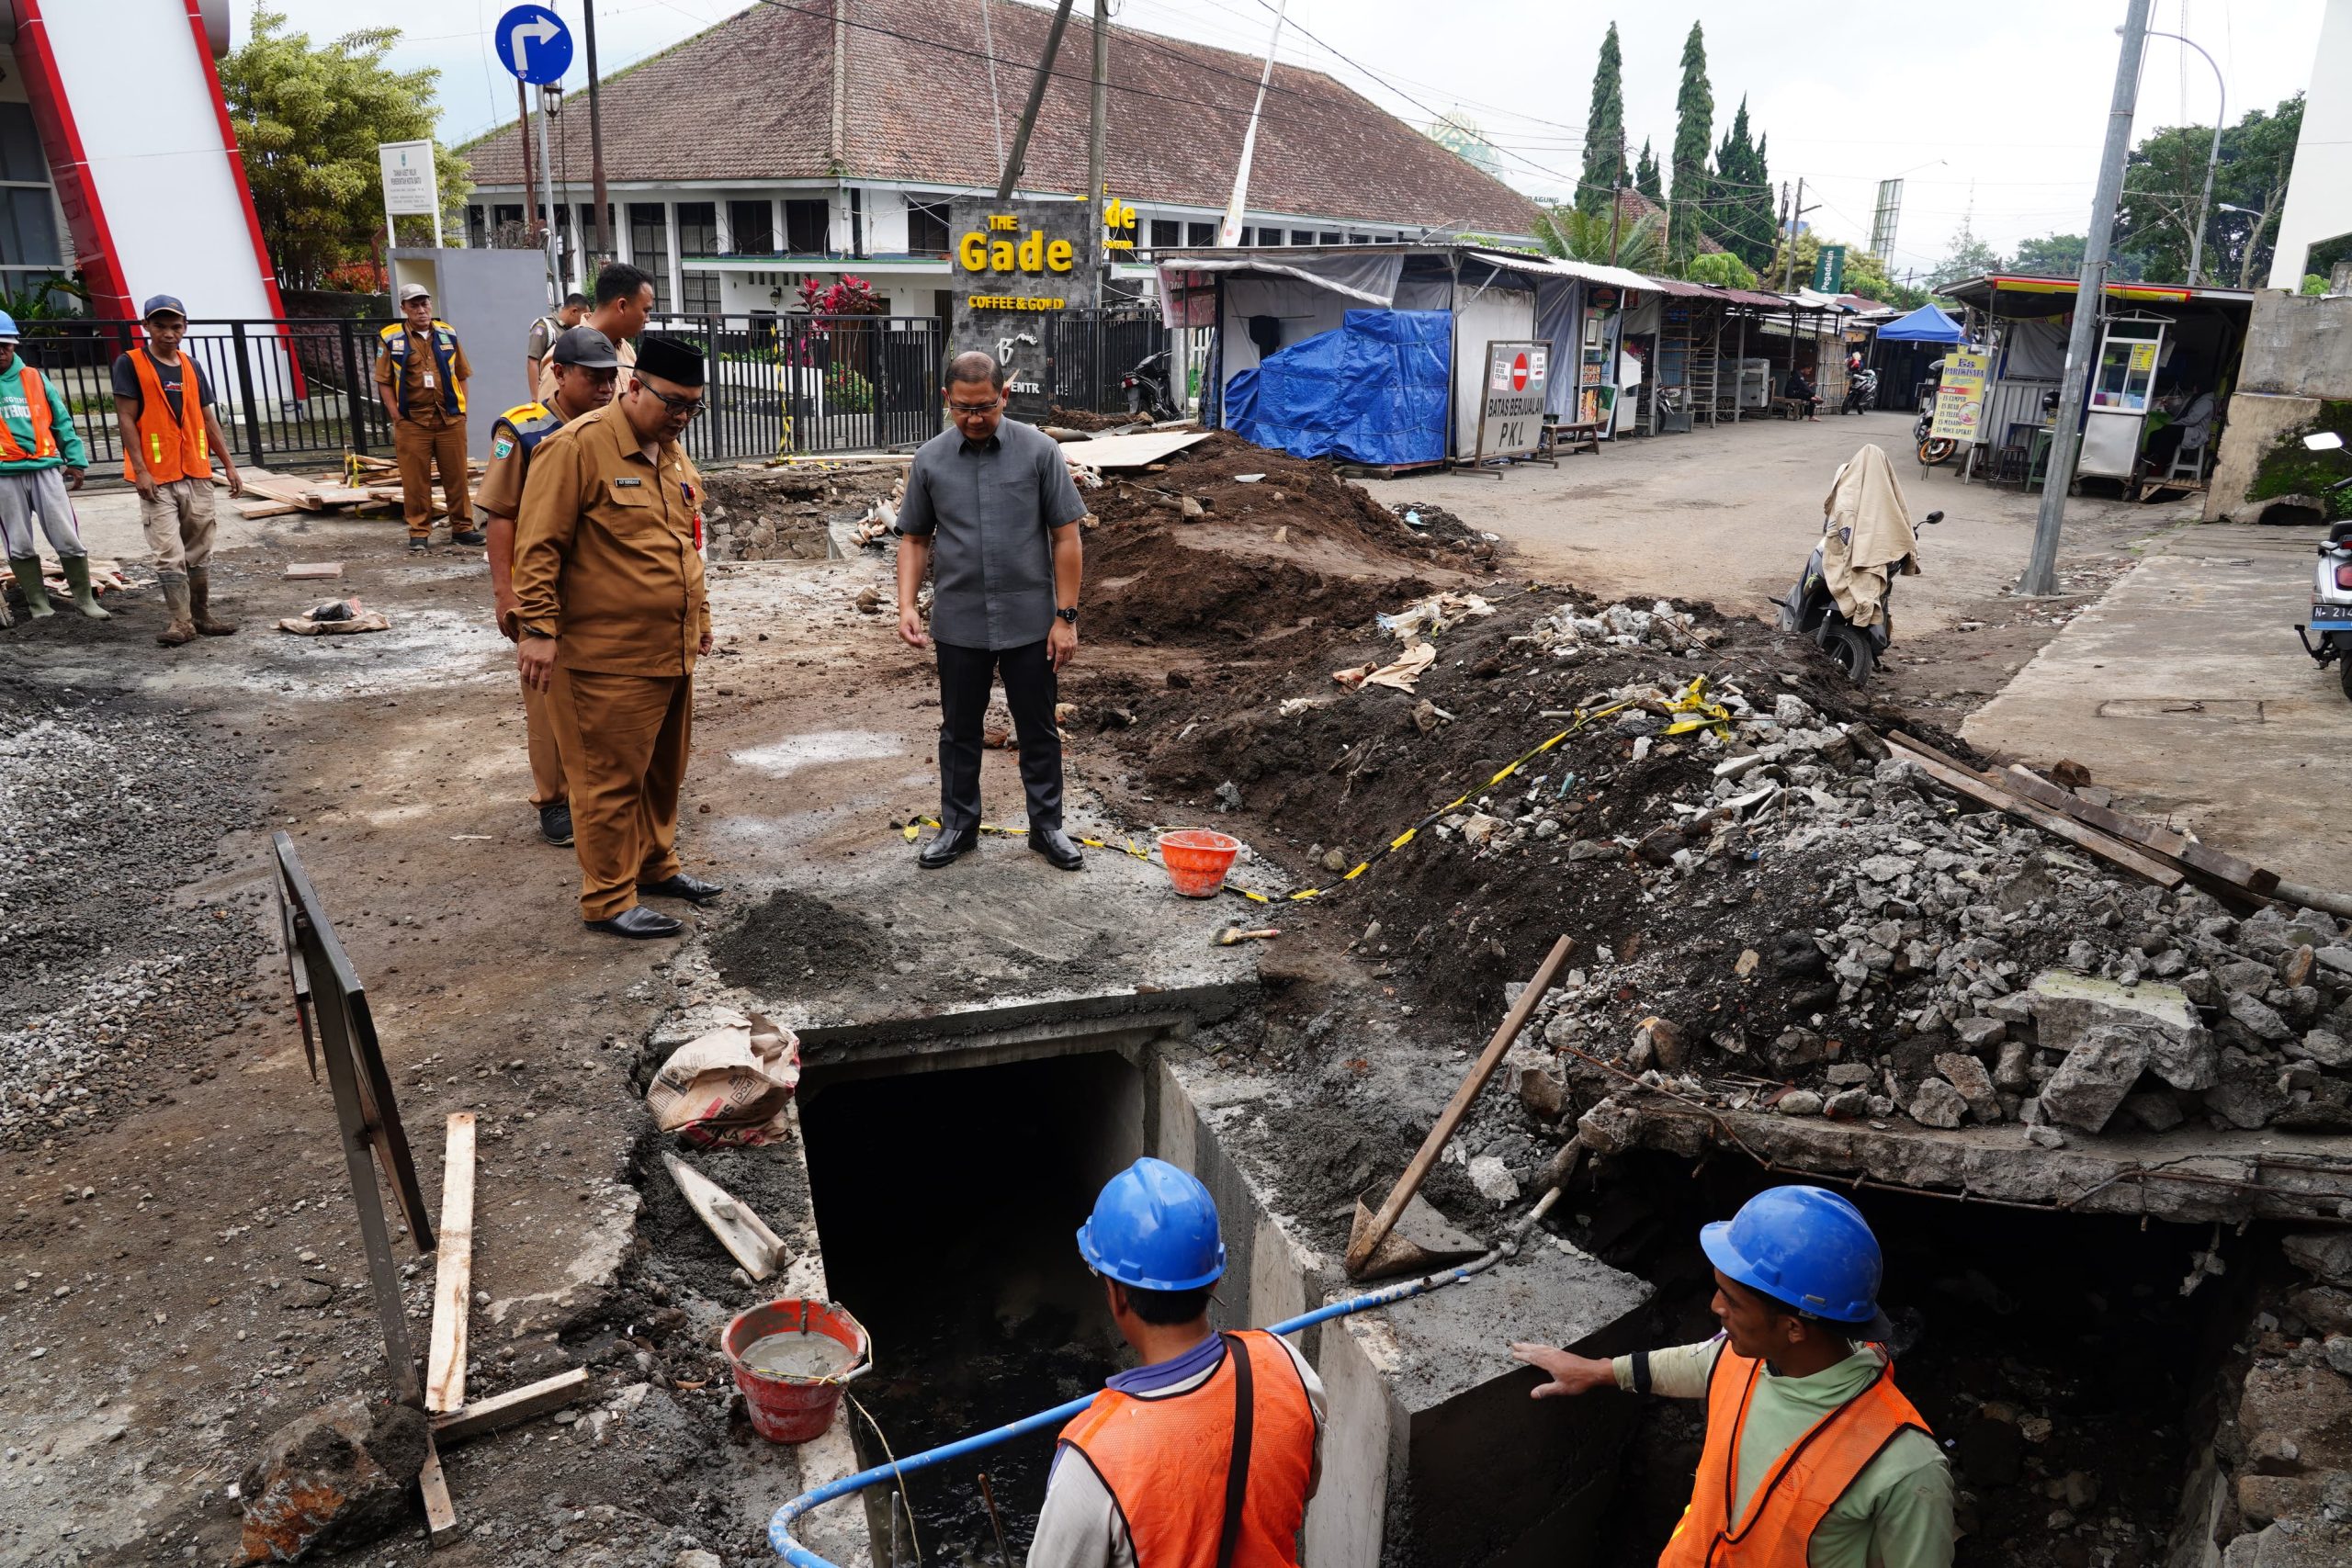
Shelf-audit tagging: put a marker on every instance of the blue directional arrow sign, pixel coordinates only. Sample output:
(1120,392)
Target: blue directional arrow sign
(533,43)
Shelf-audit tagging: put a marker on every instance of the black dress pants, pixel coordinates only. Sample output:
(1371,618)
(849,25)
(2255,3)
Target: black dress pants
(1029,692)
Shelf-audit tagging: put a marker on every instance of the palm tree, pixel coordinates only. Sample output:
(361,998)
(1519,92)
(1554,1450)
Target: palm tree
(1584,236)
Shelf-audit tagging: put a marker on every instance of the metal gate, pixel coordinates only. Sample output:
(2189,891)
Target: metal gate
(1089,352)
(778,384)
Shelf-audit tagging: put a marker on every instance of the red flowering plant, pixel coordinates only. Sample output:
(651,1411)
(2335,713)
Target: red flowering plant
(848,297)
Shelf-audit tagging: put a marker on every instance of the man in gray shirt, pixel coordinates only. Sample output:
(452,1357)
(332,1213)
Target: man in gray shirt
(991,514)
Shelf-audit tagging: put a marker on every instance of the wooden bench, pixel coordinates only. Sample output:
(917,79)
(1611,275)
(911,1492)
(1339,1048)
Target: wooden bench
(1571,435)
(1789,408)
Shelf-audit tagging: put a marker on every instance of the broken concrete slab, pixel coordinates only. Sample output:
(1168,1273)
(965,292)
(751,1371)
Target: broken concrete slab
(2326,1256)
(335,1478)
(2101,1065)
(1975,1086)
(2067,1007)
(1936,1103)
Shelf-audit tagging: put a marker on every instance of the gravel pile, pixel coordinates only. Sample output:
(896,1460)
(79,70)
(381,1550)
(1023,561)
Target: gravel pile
(114,981)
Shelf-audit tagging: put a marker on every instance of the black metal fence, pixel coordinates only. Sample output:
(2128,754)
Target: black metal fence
(288,391)
(1091,351)
(776,384)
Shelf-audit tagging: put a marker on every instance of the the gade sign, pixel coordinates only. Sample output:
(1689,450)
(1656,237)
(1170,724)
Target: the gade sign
(1015,264)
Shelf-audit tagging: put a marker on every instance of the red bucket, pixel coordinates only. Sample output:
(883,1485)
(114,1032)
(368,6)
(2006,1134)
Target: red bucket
(1197,861)
(791,1407)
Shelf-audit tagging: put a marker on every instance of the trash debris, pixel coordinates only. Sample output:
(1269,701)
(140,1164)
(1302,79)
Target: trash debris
(336,1477)
(1232,935)
(730,1086)
(336,617)
(1428,616)
(1399,674)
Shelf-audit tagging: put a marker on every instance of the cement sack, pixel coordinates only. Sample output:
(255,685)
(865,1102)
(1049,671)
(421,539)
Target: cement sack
(733,1086)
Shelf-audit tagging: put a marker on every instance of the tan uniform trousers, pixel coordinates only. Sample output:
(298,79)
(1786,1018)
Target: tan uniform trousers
(421,448)
(546,748)
(625,739)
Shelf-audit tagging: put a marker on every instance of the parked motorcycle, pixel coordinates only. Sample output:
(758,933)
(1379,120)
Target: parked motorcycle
(1933,449)
(1810,607)
(2332,583)
(1146,388)
(1862,393)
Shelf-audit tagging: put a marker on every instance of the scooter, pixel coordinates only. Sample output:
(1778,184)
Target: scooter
(1811,608)
(1933,449)
(2332,583)
(1862,393)
(1146,388)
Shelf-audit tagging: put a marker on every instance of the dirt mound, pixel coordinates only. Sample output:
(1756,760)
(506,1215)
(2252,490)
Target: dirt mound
(1080,418)
(1229,539)
(794,943)
(760,513)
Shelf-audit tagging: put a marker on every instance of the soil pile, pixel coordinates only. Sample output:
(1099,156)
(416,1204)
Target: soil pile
(1229,540)
(760,513)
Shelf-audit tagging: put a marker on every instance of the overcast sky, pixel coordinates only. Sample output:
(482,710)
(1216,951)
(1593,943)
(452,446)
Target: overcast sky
(2004,107)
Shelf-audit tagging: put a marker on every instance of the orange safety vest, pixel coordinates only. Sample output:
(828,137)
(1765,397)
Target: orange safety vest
(44,437)
(1168,1463)
(1805,1481)
(172,448)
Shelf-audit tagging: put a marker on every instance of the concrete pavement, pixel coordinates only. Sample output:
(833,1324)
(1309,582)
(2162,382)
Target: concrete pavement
(2184,691)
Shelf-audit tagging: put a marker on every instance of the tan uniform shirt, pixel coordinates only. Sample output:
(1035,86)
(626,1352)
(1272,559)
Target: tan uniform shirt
(621,351)
(500,489)
(422,402)
(606,550)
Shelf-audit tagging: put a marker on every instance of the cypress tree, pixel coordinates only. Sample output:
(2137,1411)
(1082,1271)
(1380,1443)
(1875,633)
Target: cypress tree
(1694,129)
(1736,219)
(1604,130)
(1646,178)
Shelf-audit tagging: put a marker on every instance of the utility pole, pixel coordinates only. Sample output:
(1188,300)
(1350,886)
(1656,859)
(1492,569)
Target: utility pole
(523,123)
(1617,200)
(546,184)
(1788,239)
(1012,175)
(596,140)
(1094,133)
(2065,443)
(1228,231)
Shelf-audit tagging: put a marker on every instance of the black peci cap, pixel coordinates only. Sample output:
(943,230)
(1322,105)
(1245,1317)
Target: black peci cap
(674,359)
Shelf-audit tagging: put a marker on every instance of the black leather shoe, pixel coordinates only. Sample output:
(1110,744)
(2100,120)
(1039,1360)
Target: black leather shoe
(637,921)
(555,824)
(694,889)
(1055,845)
(945,847)
(468,536)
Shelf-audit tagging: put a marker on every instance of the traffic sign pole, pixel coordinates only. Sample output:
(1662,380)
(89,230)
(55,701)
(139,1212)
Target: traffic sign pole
(535,47)
(546,184)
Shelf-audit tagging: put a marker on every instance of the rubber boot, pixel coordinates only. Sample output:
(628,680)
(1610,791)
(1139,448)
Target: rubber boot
(27,570)
(199,598)
(78,577)
(182,628)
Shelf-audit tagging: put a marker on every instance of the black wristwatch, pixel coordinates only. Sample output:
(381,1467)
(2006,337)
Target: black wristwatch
(1070,615)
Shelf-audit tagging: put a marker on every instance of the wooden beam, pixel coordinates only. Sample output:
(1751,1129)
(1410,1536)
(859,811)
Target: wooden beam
(514,1406)
(742,1233)
(1978,786)
(440,1513)
(453,1276)
(2239,874)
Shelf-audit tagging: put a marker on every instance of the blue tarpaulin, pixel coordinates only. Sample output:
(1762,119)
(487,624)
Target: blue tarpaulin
(1373,391)
(1925,324)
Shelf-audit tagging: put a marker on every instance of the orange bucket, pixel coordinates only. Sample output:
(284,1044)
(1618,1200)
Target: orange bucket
(1197,861)
(794,1407)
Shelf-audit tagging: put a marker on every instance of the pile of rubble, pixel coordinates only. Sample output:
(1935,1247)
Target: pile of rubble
(2282,1459)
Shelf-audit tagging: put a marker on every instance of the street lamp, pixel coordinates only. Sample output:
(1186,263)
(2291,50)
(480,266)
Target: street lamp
(2220,118)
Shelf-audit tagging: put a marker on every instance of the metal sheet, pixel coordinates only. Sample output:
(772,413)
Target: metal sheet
(2110,443)
(1131,451)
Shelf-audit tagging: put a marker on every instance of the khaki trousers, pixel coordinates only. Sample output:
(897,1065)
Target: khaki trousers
(547,752)
(421,448)
(625,740)
(179,526)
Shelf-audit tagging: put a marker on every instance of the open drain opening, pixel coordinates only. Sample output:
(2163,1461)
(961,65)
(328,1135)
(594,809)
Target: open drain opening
(2069,1380)
(947,1203)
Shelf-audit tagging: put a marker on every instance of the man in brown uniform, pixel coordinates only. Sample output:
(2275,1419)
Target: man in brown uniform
(421,373)
(608,586)
(584,371)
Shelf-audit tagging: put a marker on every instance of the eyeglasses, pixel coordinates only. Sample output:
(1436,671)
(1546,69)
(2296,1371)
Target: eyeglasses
(678,403)
(970,411)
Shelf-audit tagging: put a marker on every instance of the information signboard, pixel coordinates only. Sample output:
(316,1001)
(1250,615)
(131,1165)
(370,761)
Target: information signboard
(1510,419)
(1015,265)
(1960,397)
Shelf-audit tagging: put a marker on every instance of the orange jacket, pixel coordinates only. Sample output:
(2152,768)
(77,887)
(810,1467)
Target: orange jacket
(1168,1461)
(1805,1484)
(172,448)
(36,410)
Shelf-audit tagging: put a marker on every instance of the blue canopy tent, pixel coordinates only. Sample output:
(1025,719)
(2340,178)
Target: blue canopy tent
(1925,324)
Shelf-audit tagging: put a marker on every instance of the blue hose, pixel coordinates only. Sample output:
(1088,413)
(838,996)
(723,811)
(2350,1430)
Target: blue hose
(800,1556)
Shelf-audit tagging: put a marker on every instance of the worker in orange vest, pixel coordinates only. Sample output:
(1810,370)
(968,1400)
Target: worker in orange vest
(1813,1460)
(42,457)
(1206,1454)
(163,407)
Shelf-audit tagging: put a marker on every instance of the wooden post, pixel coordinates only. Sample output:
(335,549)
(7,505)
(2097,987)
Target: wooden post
(453,1278)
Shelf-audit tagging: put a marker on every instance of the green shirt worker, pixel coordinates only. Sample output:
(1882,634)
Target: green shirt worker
(42,457)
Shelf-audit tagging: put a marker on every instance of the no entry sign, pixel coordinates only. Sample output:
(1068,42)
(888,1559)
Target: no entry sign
(1511,423)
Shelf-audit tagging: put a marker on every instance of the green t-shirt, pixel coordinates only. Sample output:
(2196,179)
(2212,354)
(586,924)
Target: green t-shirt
(1897,1514)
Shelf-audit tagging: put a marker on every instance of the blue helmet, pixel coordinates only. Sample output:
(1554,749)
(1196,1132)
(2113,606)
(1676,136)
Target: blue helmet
(1806,1247)
(1154,1227)
(9,333)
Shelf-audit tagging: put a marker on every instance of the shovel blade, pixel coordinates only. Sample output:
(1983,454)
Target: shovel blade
(1421,1241)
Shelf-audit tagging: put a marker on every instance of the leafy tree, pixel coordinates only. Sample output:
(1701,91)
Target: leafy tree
(1740,216)
(2258,154)
(1721,268)
(2052,255)
(1968,257)
(1645,175)
(1584,236)
(1867,276)
(1694,129)
(308,118)
(1604,130)
(2163,187)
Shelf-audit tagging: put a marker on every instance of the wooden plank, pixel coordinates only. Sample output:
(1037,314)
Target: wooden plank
(2214,862)
(1978,786)
(310,570)
(440,1514)
(279,486)
(267,508)
(514,1406)
(742,1233)
(1131,451)
(453,1276)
